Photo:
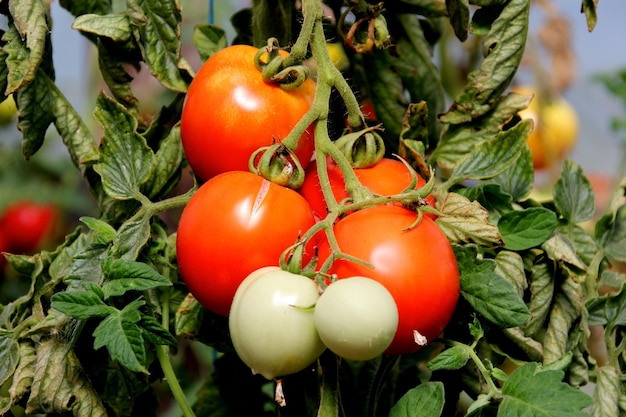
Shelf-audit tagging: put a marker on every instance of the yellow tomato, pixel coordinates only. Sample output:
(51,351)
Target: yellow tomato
(338,55)
(556,129)
(7,111)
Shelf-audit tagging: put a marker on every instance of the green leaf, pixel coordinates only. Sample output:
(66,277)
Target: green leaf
(566,308)
(431,8)
(491,295)
(31,21)
(585,246)
(132,236)
(541,293)
(491,197)
(82,304)
(525,229)
(425,400)
(113,59)
(123,337)
(608,310)
(84,265)
(24,373)
(459,13)
(611,233)
(414,137)
(122,276)
(606,395)
(458,140)
(510,265)
(494,156)
(9,356)
(154,332)
(60,384)
(532,392)
(125,159)
(114,26)
(41,103)
(453,358)
(589,7)
(560,249)
(464,221)
(208,39)
(573,195)
(168,161)
(36,105)
(519,178)
(157,32)
(105,232)
(186,322)
(86,6)
(504,48)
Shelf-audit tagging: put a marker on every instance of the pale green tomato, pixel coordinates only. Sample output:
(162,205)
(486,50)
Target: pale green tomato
(271,322)
(356,318)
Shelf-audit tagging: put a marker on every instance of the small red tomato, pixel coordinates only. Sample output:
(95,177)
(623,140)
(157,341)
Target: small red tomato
(415,264)
(387,177)
(28,225)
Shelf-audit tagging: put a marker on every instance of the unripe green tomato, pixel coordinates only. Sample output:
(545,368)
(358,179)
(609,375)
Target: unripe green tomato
(356,318)
(271,322)
(7,111)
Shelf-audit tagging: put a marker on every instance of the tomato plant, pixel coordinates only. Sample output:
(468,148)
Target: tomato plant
(130,310)
(387,177)
(271,322)
(230,112)
(415,264)
(356,318)
(28,225)
(235,223)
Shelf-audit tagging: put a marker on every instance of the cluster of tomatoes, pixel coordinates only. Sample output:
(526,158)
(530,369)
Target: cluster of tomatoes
(25,227)
(392,287)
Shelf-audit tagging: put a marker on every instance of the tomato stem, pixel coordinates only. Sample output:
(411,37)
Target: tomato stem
(164,360)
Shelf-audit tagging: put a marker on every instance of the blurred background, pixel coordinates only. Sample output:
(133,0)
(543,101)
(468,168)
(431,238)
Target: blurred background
(50,178)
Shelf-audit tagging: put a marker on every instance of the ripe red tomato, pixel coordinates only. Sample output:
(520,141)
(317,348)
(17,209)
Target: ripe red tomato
(417,266)
(234,224)
(387,177)
(28,225)
(230,112)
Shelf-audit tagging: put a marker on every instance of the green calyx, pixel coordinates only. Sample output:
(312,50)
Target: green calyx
(278,164)
(271,64)
(363,148)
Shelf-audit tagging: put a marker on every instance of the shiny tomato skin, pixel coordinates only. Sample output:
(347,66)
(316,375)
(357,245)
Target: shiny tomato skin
(417,266)
(230,112)
(234,224)
(28,225)
(387,177)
